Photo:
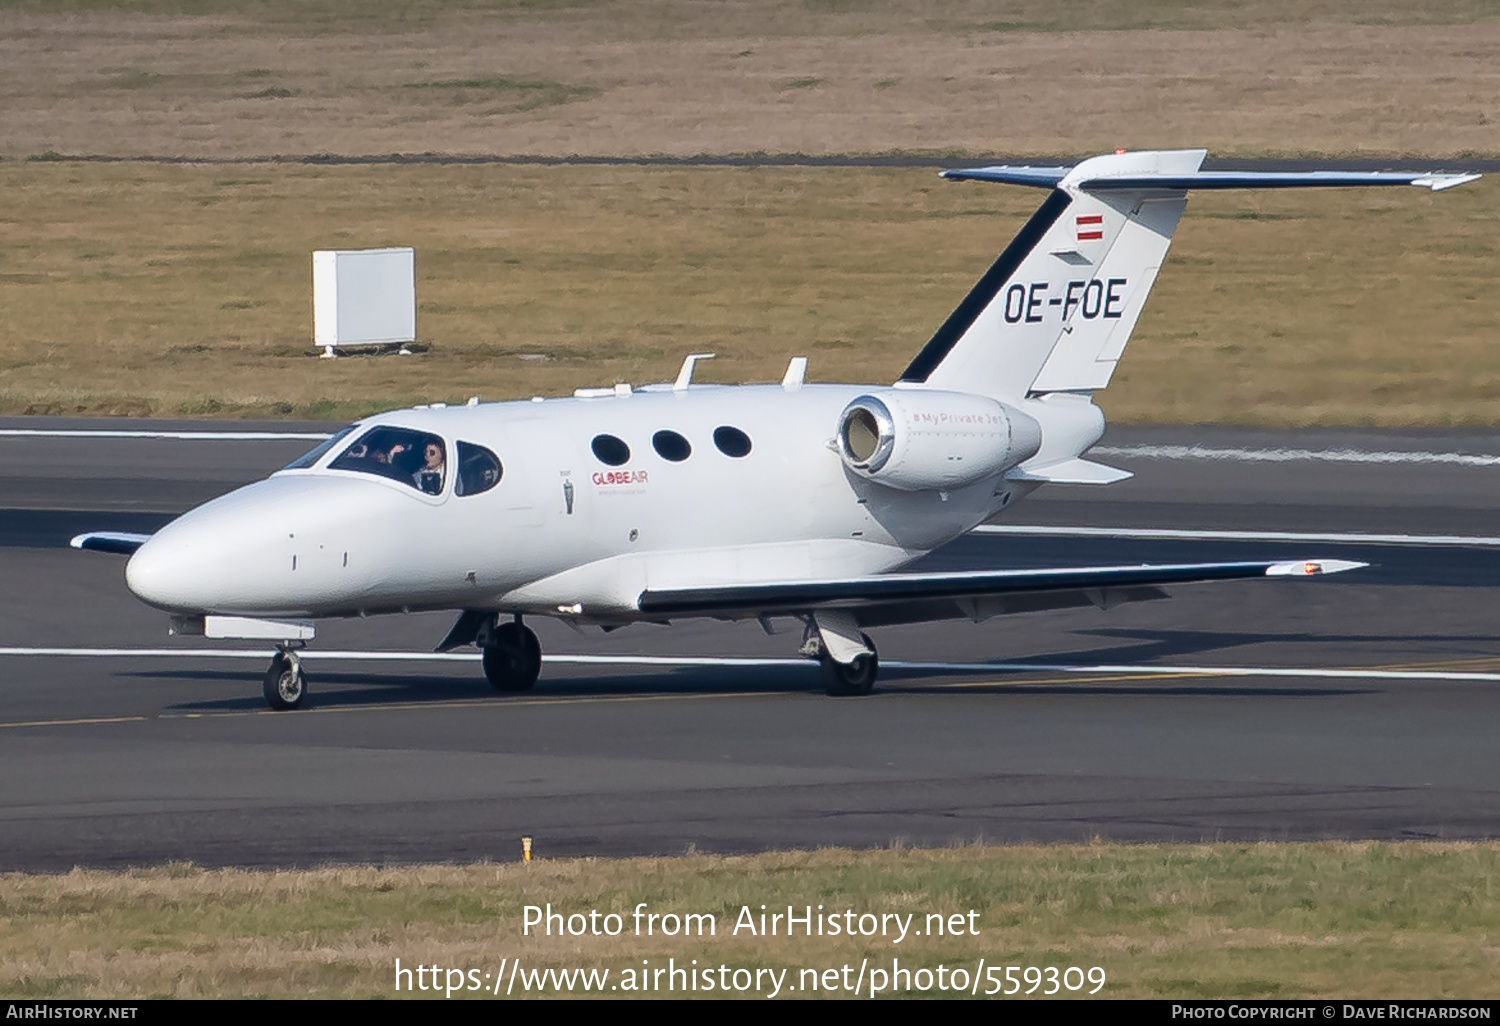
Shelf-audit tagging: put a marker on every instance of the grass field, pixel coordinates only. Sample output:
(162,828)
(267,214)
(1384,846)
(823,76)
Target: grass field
(183,289)
(186,289)
(1333,920)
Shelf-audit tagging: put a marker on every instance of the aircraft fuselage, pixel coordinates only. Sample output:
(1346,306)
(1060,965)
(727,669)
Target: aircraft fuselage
(562,531)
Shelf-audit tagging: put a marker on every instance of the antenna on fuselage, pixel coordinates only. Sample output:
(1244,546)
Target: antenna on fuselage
(796,372)
(685,376)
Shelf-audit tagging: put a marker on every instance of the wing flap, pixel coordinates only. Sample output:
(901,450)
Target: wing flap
(791,597)
(978,610)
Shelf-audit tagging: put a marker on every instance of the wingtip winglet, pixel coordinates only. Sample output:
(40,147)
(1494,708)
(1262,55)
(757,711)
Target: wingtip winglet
(120,543)
(1439,182)
(1312,567)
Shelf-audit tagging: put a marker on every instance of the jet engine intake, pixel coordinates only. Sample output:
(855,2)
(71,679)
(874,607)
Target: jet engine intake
(926,440)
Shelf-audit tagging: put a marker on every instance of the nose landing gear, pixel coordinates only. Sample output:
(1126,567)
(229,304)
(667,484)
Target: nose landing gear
(512,655)
(285,685)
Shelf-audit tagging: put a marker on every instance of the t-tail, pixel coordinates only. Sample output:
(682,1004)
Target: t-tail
(1054,312)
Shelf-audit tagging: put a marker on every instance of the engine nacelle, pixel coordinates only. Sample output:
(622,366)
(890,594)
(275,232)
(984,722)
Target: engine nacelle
(923,440)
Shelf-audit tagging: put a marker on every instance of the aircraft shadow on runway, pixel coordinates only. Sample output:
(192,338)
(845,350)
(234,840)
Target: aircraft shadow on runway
(1154,644)
(353,688)
(347,689)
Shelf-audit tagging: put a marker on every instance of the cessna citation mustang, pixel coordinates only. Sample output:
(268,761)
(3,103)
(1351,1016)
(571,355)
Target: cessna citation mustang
(624,505)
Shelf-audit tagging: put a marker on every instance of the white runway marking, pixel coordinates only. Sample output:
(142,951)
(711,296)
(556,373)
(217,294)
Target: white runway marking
(191,436)
(313,655)
(1458,540)
(1203,452)
(1334,673)
(316,655)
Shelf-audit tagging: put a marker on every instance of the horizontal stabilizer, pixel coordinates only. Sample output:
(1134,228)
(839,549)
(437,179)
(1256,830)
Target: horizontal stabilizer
(121,543)
(794,597)
(1077,471)
(1039,177)
(1049,177)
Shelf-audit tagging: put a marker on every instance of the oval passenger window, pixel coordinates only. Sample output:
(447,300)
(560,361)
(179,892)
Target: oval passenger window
(732,441)
(479,469)
(669,445)
(611,450)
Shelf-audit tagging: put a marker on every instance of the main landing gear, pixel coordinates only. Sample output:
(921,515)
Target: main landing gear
(846,654)
(285,684)
(511,655)
(853,678)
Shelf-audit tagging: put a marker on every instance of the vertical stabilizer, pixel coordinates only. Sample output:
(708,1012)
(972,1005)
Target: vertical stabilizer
(1054,312)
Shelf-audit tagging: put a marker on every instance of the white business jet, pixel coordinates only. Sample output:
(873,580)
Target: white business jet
(793,500)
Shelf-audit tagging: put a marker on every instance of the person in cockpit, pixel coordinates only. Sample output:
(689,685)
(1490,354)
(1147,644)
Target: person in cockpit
(429,478)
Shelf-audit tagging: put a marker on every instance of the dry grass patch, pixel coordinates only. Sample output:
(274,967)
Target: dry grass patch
(185,290)
(226,79)
(1287,920)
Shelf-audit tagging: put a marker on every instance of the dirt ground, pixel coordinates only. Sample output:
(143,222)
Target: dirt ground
(633,77)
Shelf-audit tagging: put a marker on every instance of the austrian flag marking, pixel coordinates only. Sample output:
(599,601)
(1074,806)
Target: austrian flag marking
(1090,227)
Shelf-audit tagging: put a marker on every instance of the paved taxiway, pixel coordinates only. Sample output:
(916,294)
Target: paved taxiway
(115,759)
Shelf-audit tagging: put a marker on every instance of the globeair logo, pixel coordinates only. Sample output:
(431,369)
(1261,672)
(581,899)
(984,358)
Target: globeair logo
(620,477)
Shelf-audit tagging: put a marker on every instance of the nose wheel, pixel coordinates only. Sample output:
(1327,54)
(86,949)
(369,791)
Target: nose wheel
(285,685)
(512,656)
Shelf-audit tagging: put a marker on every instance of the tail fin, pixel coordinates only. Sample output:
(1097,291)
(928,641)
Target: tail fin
(1054,312)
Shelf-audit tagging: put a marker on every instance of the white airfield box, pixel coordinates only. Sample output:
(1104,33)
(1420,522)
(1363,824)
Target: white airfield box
(364,297)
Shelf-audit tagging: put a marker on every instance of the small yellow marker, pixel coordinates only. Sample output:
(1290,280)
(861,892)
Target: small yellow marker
(525,849)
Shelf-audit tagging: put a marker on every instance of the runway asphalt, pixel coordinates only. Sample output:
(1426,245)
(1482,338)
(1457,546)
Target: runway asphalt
(1060,727)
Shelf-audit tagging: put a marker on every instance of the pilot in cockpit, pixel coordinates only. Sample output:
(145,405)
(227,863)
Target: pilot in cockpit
(429,478)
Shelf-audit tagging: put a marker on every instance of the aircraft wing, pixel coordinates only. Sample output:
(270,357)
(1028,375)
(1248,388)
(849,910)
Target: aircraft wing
(977,595)
(121,543)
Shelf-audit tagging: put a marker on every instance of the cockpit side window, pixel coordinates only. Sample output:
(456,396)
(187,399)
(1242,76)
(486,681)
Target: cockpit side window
(414,458)
(479,469)
(307,459)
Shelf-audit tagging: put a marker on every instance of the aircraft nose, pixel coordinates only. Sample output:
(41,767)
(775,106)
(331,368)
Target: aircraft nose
(238,554)
(197,562)
(162,573)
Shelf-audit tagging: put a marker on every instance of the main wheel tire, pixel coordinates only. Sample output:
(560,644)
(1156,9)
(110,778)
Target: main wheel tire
(285,685)
(513,661)
(842,680)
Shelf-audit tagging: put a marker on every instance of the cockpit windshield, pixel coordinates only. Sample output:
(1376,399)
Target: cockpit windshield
(412,457)
(307,459)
